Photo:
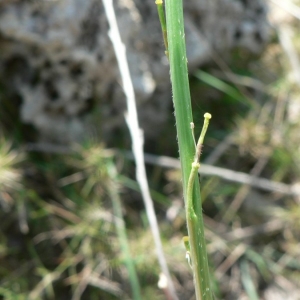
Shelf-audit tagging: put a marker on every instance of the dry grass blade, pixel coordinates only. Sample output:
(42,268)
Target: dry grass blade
(206,170)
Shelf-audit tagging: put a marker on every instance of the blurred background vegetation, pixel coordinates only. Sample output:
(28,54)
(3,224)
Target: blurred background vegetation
(58,238)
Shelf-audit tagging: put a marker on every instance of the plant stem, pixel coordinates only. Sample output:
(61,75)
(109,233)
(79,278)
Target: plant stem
(195,228)
(183,115)
(121,230)
(162,19)
(137,140)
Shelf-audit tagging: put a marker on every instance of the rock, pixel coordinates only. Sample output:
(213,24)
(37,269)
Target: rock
(57,57)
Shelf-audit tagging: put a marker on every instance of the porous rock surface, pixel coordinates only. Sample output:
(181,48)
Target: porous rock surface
(55,55)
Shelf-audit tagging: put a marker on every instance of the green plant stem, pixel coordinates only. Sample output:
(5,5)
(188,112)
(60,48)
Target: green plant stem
(121,230)
(162,19)
(183,115)
(194,227)
(199,145)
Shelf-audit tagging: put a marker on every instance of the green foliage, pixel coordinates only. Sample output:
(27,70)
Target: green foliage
(58,238)
(248,282)
(222,86)
(71,242)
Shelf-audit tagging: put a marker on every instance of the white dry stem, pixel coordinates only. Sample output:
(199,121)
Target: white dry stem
(137,137)
(285,37)
(288,6)
(170,162)
(227,174)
